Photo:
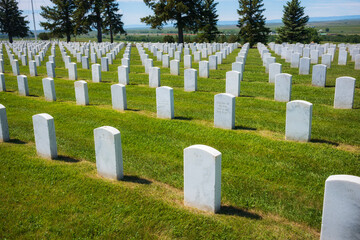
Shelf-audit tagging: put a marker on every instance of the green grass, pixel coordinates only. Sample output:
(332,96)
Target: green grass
(271,188)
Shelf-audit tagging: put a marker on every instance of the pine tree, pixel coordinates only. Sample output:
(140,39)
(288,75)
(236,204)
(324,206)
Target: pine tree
(89,14)
(59,18)
(186,15)
(294,29)
(11,21)
(209,28)
(112,19)
(252,22)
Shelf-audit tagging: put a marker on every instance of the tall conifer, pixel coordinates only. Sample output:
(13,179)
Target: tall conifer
(252,22)
(186,15)
(294,29)
(12,22)
(209,28)
(112,19)
(59,18)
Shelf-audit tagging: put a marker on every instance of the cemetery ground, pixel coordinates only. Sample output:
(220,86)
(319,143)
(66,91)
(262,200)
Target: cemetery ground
(271,188)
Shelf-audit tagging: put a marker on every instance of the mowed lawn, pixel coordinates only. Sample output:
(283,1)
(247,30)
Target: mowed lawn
(271,188)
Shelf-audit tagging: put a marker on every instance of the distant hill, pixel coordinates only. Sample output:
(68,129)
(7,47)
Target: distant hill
(233,23)
(314,19)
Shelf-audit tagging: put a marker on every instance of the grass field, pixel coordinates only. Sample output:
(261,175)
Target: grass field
(271,188)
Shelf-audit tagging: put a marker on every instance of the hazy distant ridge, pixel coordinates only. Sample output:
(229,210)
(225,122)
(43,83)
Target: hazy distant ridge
(313,19)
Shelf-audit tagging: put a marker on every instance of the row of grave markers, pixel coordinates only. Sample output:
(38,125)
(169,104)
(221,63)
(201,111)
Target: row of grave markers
(298,114)
(344,86)
(292,52)
(202,175)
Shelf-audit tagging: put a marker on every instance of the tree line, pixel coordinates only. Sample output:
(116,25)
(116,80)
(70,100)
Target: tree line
(67,18)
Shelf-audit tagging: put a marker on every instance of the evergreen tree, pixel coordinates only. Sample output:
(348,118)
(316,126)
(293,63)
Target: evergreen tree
(88,14)
(252,22)
(11,21)
(294,29)
(112,19)
(209,28)
(59,18)
(186,15)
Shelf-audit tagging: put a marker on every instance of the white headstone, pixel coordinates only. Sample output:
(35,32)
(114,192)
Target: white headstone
(72,71)
(237,66)
(50,69)
(81,93)
(295,60)
(283,84)
(233,79)
(190,80)
(2,83)
(269,60)
(304,68)
(148,64)
(298,121)
(49,89)
(202,178)
(126,62)
(187,61)
(118,97)
(38,60)
(165,102)
(96,73)
(197,56)
(341,208)
(154,77)
(109,58)
(213,62)
(85,62)
(174,67)
(342,57)
(52,59)
(108,150)
(219,57)
(166,61)
(45,138)
(32,68)
(274,69)
(2,70)
(123,75)
(4,127)
(204,53)
(23,86)
(326,60)
(314,55)
(357,62)
(15,67)
(204,69)
(23,60)
(159,55)
(104,64)
(178,56)
(319,75)
(344,92)
(224,111)
(93,58)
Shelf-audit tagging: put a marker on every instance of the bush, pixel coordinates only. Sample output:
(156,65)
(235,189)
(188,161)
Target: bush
(44,36)
(168,39)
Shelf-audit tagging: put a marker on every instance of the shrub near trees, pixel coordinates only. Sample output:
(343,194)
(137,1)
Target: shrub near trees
(12,22)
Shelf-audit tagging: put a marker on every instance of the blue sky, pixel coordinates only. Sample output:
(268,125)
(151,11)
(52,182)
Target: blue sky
(133,10)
